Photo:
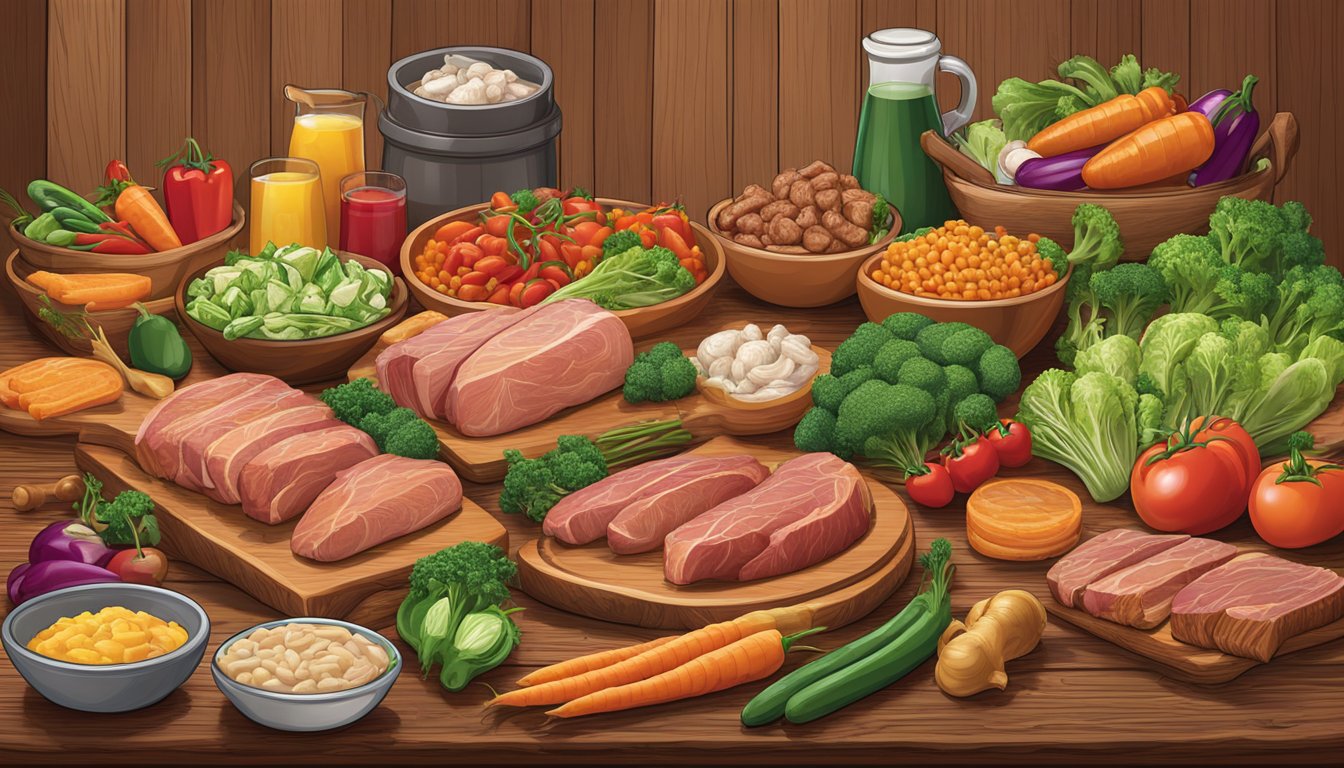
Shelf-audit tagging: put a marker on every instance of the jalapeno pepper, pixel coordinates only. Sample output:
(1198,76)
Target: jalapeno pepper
(157,346)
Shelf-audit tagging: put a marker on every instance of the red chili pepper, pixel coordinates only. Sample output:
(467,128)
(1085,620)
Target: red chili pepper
(117,171)
(197,192)
(107,242)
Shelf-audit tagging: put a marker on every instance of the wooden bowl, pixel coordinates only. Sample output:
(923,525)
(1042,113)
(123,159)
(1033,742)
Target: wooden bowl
(797,278)
(1147,216)
(721,413)
(116,323)
(1018,323)
(165,269)
(642,322)
(295,362)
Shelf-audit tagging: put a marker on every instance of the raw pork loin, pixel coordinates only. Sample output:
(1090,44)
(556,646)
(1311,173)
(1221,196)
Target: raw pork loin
(1101,556)
(158,441)
(583,516)
(692,489)
(812,507)
(226,457)
(375,501)
(1141,594)
(282,480)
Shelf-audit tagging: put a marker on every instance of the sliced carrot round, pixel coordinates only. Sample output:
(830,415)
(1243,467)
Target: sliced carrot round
(1024,515)
(1002,552)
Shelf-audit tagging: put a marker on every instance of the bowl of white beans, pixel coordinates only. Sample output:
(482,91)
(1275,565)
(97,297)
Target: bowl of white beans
(306,674)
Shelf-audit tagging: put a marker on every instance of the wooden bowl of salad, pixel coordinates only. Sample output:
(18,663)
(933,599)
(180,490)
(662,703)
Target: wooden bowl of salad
(299,361)
(165,269)
(1146,215)
(642,322)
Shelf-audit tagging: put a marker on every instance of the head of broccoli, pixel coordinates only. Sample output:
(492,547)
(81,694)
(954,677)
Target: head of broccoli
(1306,306)
(352,401)
(471,575)
(1129,294)
(663,373)
(888,424)
(1247,232)
(1096,238)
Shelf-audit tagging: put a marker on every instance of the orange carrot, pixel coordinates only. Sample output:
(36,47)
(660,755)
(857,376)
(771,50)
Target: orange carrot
(1103,123)
(654,661)
(590,662)
(100,291)
(139,208)
(55,386)
(751,658)
(1154,152)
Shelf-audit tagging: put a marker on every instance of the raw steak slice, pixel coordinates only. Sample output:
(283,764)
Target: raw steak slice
(1101,556)
(225,418)
(811,508)
(565,354)
(183,404)
(1141,594)
(226,457)
(280,482)
(583,516)
(689,491)
(373,502)
(1251,605)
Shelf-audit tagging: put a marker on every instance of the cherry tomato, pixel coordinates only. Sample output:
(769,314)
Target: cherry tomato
(971,464)
(676,223)
(1189,485)
(932,488)
(1012,442)
(148,566)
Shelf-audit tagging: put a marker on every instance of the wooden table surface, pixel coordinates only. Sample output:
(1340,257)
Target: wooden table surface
(1074,699)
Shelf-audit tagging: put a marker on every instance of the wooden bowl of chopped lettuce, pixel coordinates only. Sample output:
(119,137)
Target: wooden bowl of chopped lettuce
(300,314)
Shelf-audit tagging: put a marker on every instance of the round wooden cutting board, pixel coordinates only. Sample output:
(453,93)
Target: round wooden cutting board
(630,589)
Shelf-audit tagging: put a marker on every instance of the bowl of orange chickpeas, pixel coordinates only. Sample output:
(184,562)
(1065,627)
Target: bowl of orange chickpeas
(995,280)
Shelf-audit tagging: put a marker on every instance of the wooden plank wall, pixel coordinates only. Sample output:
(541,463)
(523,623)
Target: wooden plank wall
(662,98)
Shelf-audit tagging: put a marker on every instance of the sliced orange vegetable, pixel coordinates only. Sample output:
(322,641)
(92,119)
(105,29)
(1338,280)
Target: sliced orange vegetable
(113,290)
(55,386)
(1023,519)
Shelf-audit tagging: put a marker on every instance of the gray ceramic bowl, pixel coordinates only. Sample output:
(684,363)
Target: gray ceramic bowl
(110,687)
(307,711)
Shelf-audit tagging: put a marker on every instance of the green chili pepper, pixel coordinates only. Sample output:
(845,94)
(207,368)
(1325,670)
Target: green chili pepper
(157,347)
(49,196)
(74,220)
(60,236)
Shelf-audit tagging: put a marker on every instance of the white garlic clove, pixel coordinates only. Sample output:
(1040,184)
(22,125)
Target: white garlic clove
(479,69)
(720,367)
(721,344)
(738,370)
(745,387)
(799,350)
(762,375)
(495,77)
(752,332)
(520,90)
(493,93)
(509,76)
(754,353)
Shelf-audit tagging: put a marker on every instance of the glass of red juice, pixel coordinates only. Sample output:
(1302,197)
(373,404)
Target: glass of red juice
(373,216)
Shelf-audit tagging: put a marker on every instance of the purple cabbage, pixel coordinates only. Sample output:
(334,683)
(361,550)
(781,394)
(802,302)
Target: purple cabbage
(30,580)
(69,540)
(1063,173)
(1235,126)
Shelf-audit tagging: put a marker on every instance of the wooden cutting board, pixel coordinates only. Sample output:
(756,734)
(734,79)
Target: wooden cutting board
(255,557)
(630,589)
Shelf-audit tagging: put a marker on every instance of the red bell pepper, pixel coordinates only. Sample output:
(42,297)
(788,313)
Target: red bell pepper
(197,192)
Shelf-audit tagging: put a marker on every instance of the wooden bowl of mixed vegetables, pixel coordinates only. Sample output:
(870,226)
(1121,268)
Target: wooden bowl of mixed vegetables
(312,326)
(441,279)
(165,269)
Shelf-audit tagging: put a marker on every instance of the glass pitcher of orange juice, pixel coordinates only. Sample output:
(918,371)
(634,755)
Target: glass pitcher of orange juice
(329,130)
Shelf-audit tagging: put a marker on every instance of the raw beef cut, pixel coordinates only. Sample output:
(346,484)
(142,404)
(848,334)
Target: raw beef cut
(811,508)
(223,419)
(564,354)
(1141,594)
(376,501)
(1101,556)
(583,516)
(689,491)
(280,482)
(226,457)
(182,405)
(1251,605)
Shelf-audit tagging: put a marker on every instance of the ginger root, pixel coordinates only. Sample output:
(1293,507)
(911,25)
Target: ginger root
(972,654)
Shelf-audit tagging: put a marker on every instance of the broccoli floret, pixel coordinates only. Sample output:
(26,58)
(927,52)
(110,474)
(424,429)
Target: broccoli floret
(930,340)
(1295,216)
(1129,294)
(1246,232)
(1054,253)
(828,390)
(1096,238)
(402,432)
(906,325)
(1085,326)
(999,372)
(961,383)
(661,374)
(976,411)
(859,349)
(922,374)
(1190,266)
(470,576)
(965,346)
(887,424)
(620,242)
(1294,322)
(526,200)
(816,433)
(890,358)
(351,402)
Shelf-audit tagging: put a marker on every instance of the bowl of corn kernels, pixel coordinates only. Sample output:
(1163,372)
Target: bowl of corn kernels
(106,647)
(1012,287)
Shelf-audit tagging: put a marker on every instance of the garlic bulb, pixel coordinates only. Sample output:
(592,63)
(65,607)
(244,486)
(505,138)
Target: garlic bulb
(755,366)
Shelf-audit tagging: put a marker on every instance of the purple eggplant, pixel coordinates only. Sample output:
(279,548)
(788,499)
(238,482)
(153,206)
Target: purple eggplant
(1235,125)
(29,580)
(1063,173)
(69,540)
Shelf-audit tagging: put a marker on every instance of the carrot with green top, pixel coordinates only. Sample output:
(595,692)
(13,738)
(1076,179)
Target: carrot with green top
(753,657)
(590,662)
(1103,123)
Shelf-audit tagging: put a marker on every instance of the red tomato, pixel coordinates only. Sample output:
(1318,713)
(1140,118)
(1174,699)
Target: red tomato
(1219,426)
(1011,441)
(932,488)
(1190,485)
(678,224)
(573,205)
(1298,502)
(149,566)
(971,464)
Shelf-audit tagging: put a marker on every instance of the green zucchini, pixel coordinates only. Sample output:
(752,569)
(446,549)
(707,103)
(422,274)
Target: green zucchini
(49,197)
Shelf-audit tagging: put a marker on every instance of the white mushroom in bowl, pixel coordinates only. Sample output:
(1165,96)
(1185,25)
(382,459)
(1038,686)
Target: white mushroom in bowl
(755,367)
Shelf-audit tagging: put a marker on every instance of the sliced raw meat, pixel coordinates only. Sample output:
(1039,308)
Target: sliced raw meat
(373,502)
(565,354)
(184,404)
(280,482)
(1101,556)
(811,508)
(226,457)
(687,492)
(583,516)
(1141,594)
(1251,605)
(223,419)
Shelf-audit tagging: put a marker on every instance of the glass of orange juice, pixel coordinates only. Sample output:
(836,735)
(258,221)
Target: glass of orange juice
(287,203)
